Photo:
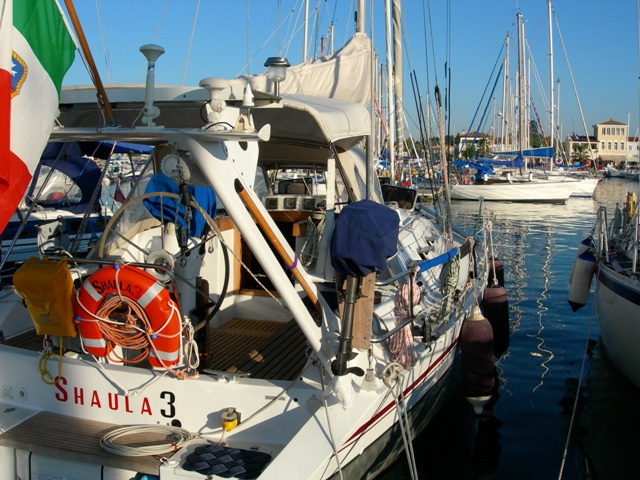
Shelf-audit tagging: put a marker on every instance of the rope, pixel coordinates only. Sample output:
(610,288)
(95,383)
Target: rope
(392,373)
(176,438)
(575,401)
(310,247)
(126,333)
(401,343)
(134,331)
(326,412)
(47,353)
(449,280)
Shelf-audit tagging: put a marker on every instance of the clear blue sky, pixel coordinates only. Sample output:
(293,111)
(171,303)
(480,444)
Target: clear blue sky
(600,39)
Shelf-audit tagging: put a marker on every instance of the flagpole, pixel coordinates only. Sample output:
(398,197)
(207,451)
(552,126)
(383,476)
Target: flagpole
(87,53)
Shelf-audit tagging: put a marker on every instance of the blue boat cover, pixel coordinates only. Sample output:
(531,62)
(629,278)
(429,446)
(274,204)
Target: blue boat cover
(83,171)
(481,168)
(365,235)
(542,152)
(164,208)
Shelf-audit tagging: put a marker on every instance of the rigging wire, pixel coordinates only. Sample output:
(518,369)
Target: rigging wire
(493,70)
(193,31)
(155,36)
(275,32)
(573,82)
(104,45)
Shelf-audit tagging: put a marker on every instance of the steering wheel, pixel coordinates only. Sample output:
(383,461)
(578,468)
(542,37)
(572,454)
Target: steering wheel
(116,216)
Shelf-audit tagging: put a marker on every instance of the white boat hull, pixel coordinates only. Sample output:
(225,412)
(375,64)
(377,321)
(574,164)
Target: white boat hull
(617,301)
(517,191)
(585,187)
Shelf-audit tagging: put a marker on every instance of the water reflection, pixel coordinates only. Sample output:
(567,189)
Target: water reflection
(607,431)
(541,350)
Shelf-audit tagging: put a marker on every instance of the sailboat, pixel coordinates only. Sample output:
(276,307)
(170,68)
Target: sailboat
(610,255)
(512,185)
(224,328)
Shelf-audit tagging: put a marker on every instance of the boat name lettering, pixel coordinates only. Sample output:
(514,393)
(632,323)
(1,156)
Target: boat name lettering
(95,399)
(102,286)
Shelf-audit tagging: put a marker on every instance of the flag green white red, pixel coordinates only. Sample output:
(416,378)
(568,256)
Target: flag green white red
(36,50)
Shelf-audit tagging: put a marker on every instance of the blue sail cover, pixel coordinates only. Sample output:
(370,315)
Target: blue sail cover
(365,235)
(478,166)
(545,152)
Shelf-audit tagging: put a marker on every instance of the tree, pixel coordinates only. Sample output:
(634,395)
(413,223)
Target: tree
(483,148)
(580,153)
(534,135)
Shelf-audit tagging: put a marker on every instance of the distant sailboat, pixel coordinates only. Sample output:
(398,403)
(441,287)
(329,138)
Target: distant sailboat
(512,186)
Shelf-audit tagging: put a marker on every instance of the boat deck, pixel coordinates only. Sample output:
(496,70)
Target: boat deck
(260,348)
(70,438)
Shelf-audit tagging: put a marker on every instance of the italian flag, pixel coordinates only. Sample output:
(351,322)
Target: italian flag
(36,50)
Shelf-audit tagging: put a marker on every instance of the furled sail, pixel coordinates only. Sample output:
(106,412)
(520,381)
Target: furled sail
(345,75)
(541,152)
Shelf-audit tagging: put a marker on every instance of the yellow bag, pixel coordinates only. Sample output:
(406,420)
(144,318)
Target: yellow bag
(47,288)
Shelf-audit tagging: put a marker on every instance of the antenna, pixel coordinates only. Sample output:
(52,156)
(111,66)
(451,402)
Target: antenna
(151,52)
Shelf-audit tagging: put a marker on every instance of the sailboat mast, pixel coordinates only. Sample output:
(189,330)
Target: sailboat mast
(552,85)
(391,111)
(559,136)
(505,95)
(522,101)
(398,76)
(305,35)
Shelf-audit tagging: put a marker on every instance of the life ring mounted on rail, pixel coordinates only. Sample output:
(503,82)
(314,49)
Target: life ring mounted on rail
(160,329)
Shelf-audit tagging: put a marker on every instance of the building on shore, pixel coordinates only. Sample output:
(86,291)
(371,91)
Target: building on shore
(610,144)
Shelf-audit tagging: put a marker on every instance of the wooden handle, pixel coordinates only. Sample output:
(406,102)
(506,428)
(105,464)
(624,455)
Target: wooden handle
(271,237)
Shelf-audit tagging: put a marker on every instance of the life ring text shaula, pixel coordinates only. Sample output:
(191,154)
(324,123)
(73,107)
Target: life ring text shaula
(141,287)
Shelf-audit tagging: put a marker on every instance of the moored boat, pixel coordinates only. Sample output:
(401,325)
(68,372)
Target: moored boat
(613,247)
(221,327)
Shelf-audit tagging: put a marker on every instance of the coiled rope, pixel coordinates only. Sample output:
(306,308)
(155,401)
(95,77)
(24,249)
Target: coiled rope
(401,343)
(174,439)
(135,331)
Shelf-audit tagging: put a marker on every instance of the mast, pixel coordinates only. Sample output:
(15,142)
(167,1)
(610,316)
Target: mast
(559,136)
(551,81)
(398,76)
(306,31)
(391,112)
(505,93)
(522,101)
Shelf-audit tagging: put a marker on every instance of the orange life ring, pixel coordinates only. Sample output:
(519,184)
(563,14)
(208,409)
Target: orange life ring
(142,287)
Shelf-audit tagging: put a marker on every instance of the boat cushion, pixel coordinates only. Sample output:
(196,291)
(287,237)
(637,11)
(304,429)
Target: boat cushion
(226,462)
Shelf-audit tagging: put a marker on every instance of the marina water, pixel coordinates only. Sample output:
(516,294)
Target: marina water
(526,438)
